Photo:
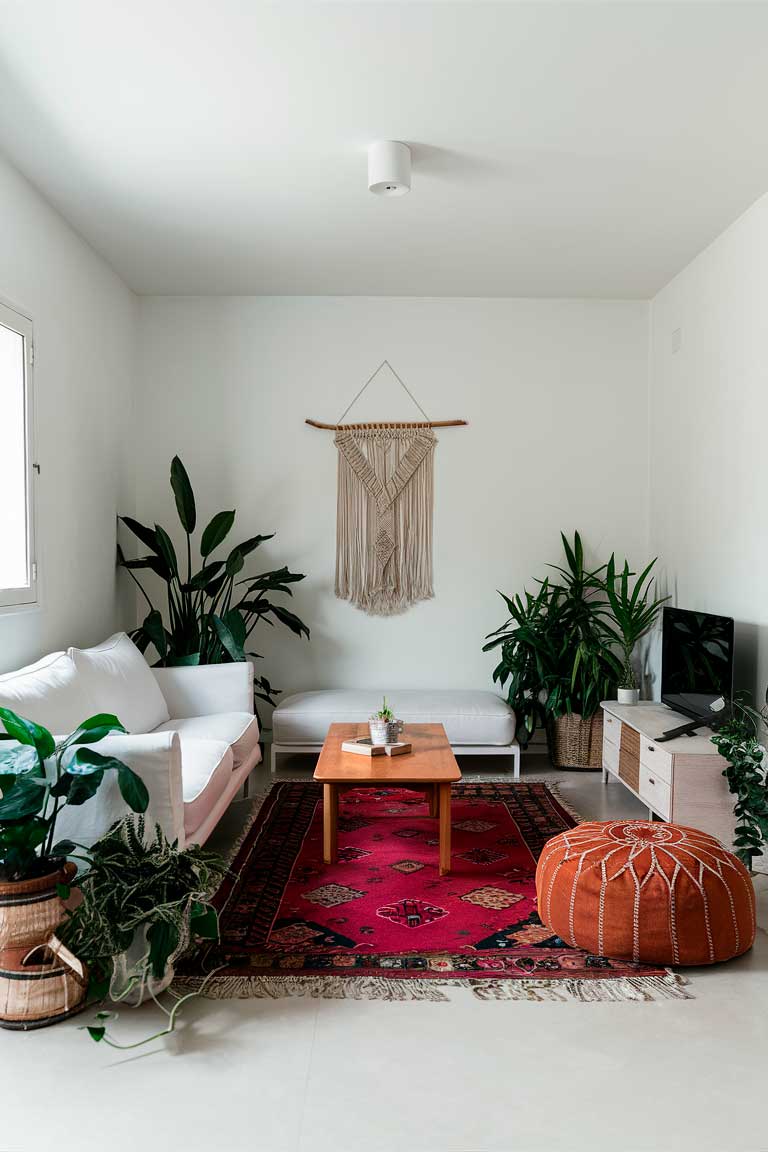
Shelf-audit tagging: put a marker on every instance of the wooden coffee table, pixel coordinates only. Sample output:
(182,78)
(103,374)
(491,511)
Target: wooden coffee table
(430,767)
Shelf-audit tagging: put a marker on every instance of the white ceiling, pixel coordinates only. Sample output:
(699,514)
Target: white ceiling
(560,149)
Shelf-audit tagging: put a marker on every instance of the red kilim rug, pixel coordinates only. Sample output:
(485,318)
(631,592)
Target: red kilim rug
(382,923)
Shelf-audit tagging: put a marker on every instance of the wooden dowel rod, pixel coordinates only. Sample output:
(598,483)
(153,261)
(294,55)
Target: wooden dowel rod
(388,424)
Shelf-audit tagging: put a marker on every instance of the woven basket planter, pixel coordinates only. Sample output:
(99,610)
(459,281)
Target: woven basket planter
(577,743)
(40,981)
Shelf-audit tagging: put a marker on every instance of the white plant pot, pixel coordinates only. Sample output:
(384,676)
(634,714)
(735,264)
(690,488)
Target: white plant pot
(132,983)
(629,695)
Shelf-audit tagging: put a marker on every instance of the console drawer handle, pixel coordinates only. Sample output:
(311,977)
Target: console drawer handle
(651,780)
(651,748)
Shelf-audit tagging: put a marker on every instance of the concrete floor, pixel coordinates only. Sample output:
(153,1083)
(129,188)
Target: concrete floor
(467,1076)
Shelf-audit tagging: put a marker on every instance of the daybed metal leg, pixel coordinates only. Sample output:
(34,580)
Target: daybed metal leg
(272,759)
(516,755)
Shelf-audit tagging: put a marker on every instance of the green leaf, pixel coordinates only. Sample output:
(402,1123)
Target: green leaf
(185,497)
(64,848)
(20,761)
(80,788)
(204,577)
(163,939)
(289,619)
(191,660)
(146,535)
(95,728)
(88,760)
(155,563)
(154,628)
(216,532)
(248,546)
(27,732)
(63,891)
(235,562)
(24,798)
(166,549)
(204,923)
(96,1033)
(132,789)
(228,641)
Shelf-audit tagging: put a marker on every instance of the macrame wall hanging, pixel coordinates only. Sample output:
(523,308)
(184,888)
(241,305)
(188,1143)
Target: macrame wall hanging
(384,510)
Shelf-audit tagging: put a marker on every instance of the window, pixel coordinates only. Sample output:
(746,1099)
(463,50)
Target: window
(18,569)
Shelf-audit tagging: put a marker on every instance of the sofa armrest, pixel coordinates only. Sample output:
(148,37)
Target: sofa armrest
(156,758)
(206,689)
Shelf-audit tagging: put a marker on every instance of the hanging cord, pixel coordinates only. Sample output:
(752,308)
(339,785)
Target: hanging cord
(371,378)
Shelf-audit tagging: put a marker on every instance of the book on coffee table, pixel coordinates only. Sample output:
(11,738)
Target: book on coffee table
(364,746)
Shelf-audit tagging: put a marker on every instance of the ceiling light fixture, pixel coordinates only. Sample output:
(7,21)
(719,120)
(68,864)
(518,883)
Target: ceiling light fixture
(389,168)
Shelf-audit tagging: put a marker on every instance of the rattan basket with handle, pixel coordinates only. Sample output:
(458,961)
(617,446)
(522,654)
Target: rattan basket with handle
(40,981)
(576,742)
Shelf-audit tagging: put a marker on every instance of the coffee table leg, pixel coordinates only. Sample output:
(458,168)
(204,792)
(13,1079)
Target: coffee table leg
(330,822)
(445,828)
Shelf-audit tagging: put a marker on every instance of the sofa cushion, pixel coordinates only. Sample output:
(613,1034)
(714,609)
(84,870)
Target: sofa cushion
(238,729)
(49,692)
(117,679)
(206,768)
(469,717)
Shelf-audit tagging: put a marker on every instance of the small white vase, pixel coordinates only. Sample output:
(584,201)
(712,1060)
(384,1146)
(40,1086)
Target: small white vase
(629,695)
(132,981)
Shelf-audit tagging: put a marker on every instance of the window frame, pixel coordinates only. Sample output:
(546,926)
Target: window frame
(27,595)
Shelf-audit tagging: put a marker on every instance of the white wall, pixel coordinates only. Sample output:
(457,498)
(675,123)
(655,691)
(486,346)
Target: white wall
(555,394)
(84,320)
(709,416)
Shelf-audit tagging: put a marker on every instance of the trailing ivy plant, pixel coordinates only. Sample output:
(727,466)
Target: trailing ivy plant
(737,741)
(209,614)
(135,885)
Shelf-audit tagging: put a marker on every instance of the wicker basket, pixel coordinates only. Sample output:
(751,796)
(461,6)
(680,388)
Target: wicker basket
(40,981)
(577,743)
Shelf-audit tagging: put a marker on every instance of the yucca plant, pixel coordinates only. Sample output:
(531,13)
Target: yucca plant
(633,612)
(209,614)
(557,647)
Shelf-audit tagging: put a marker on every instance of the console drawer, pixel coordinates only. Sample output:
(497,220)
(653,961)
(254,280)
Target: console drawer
(656,760)
(611,757)
(655,791)
(611,729)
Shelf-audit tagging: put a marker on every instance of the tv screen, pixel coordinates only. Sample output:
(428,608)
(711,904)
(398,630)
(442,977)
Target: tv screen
(696,661)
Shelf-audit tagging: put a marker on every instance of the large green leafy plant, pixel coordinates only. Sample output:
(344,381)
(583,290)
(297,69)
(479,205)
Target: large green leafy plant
(39,776)
(211,613)
(558,646)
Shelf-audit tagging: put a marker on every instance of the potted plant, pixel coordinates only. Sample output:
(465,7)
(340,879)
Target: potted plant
(557,652)
(634,614)
(38,777)
(211,613)
(383,727)
(142,901)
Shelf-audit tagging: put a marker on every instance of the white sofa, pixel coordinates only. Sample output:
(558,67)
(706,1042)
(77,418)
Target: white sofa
(475,722)
(192,735)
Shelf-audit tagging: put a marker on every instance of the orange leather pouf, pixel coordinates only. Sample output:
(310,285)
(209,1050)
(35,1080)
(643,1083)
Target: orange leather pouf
(648,892)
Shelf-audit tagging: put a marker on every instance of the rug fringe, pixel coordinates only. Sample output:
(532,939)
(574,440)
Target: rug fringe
(640,989)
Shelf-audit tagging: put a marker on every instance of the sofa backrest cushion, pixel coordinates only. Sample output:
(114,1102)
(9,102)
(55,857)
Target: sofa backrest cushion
(49,692)
(117,679)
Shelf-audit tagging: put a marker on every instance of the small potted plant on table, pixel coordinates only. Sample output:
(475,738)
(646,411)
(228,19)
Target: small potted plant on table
(634,614)
(383,727)
(39,981)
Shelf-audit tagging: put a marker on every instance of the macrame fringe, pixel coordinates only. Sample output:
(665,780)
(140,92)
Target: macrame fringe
(639,989)
(384,518)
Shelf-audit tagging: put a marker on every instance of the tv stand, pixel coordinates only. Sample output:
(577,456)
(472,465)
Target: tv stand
(679,778)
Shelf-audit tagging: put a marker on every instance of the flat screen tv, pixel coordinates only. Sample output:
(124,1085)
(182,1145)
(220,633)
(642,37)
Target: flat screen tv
(696,661)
